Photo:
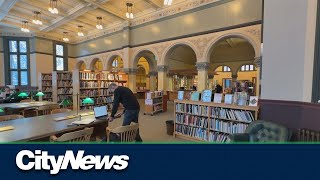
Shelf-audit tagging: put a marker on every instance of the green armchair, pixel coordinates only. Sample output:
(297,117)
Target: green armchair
(262,131)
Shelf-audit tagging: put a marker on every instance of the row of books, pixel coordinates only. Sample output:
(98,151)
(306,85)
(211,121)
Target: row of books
(232,114)
(192,120)
(104,84)
(46,83)
(192,131)
(180,107)
(217,137)
(47,96)
(238,98)
(154,94)
(227,126)
(88,75)
(64,83)
(46,77)
(65,91)
(90,93)
(197,109)
(64,76)
(152,101)
(62,97)
(90,84)
(103,100)
(46,89)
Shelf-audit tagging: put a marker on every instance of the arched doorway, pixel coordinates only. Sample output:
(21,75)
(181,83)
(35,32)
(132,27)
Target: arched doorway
(247,78)
(181,60)
(147,60)
(234,52)
(116,71)
(222,77)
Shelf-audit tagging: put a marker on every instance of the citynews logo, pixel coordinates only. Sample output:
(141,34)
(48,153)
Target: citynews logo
(40,160)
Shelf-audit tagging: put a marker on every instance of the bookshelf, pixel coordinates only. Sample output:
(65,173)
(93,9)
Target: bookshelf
(154,102)
(62,86)
(211,122)
(94,84)
(45,85)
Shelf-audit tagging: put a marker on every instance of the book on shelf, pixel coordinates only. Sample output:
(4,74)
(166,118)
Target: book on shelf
(195,96)
(243,98)
(253,101)
(217,98)
(180,95)
(228,99)
(206,95)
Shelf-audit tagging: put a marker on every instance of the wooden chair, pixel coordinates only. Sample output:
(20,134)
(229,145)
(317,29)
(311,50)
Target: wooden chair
(76,136)
(56,111)
(43,110)
(10,117)
(126,133)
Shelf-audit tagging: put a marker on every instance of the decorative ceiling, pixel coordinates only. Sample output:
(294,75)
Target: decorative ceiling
(75,13)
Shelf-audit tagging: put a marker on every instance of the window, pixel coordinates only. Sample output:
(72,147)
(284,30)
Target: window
(226,69)
(249,67)
(60,57)
(17,62)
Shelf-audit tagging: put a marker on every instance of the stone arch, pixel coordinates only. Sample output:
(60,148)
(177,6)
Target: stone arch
(256,45)
(79,64)
(151,61)
(109,60)
(173,46)
(94,61)
(238,69)
(216,66)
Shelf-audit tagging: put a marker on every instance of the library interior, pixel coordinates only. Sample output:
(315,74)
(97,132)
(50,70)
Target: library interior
(215,71)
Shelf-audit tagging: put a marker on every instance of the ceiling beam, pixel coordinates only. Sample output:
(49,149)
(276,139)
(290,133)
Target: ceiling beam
(155,5)
(6,7)
(106,9)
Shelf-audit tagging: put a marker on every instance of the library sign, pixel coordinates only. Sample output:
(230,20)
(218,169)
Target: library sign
(40,160)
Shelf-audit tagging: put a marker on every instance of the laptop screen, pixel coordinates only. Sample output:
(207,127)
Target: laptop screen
(100,111)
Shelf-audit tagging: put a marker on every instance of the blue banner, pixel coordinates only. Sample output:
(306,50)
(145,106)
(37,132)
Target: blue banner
(160,161)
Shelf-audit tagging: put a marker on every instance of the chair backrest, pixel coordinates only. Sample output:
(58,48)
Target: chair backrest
(10,117)
(54,106)
(126,133)
(266,131)
(44,110)
(56,111)
(76,136)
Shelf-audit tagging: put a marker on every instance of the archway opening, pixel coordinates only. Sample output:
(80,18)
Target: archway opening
(233,52)
(81,66)
(247,79)
(222,80)
(115,69)
(146,60)
(181,60)
(97,65)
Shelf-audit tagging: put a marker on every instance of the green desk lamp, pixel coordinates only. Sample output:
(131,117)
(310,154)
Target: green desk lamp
(23,94)
(65,103)
(1,110)
(39,95)
(87,100)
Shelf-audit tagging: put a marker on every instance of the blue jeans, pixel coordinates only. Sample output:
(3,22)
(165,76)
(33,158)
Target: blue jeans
(132,116)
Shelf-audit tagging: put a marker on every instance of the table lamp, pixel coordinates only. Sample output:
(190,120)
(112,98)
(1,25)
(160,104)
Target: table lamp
(23,94)
(87,100)
(1,110)
(40,94)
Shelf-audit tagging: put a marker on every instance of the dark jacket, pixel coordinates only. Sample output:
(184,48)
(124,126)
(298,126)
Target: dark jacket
(126,97)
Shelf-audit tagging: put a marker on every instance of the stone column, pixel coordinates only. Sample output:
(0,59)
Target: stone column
(202,68)
(132,79)
(163,81)
(210,79)
(152,80)
(258,63)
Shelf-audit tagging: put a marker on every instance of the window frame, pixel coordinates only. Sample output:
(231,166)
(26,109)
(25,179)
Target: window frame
(7,54)
(228,69)
(249,68)
(65,56)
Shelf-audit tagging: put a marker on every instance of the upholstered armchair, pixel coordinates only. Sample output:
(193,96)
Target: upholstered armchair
(262,131)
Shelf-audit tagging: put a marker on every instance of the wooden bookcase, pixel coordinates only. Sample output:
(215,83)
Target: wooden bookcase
(153,102)
(210,122)
(62,86)
(45,85)
(94,84)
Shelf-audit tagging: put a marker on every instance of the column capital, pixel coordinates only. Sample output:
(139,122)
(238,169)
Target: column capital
(210,76)
(258,61)
(162,68)
(202,66)
(234,76)
(130,70)
(153,73)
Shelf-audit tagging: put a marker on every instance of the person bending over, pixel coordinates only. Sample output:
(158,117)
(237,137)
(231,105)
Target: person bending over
(131,105)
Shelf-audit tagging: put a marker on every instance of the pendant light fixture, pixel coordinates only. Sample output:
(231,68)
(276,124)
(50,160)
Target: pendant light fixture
(25,27)
(65,37)
(80,32)
(129,14)
(53,7)
(37,18)
(99,23)
(167,2)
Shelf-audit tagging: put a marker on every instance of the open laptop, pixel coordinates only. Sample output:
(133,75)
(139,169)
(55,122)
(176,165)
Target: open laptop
(101,112)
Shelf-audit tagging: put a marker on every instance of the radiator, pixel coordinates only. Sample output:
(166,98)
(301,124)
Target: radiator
(305,135)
